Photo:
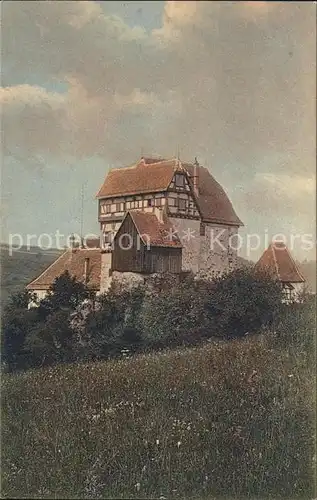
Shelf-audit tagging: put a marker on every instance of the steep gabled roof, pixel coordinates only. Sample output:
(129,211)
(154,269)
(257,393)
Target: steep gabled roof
(73,261)
(154,175)
(139,178)
(278,261)
(213,202)
(154,232)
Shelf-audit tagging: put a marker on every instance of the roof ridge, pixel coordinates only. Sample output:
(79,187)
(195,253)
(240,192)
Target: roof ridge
(275,261)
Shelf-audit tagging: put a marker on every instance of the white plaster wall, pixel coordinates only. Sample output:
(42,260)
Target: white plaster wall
(40,294)
(105,278)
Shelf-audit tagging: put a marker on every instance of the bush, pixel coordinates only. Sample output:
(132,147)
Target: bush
(177,315)
(163,313)
(243,302)
(295,328)
(115,325)
(50,342)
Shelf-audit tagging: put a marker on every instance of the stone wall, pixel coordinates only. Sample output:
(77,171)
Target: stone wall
(216,253)
(189,234)
(208,254)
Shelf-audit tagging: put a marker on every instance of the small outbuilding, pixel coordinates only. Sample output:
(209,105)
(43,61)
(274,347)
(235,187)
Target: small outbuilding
(146,243)
(277,260)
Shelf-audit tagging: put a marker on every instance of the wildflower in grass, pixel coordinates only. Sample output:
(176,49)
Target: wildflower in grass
(137,486)
(157,442)
(178,444)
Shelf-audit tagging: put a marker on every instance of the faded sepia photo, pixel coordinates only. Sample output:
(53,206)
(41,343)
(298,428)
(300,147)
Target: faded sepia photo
(158,250)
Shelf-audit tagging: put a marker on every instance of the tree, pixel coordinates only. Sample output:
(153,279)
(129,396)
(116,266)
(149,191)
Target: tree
(16,325)
(50,341)
(21,300)
(243,302)
(65,292)
(176,315)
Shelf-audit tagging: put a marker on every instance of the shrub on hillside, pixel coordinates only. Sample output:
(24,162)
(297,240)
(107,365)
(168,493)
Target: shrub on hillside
(16,326)
(177,315)
(41,333)
(65,292)
(49,342)
(243,302)
(295,327)
(115,324)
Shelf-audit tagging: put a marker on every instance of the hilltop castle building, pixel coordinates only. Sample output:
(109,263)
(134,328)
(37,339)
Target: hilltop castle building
(155,216)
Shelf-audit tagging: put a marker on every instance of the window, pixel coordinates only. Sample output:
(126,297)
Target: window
(158,202)
(171,202)
(107,238)
(105,208)
(202,229)
(181,204)
(288,292)
(119,207)
(150,203)
(179,180)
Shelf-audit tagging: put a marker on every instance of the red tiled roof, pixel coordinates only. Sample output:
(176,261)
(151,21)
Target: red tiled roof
(139,178)
(158,234)
(72,261)
(279,262)
(152,175)
(213,202)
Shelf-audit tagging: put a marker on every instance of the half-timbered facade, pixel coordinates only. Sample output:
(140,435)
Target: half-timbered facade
(195,204)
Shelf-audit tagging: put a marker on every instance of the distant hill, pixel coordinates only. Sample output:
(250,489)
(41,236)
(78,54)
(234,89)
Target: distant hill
(18,269)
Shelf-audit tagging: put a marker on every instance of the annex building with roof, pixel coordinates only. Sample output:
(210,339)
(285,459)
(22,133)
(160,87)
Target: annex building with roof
(279,263)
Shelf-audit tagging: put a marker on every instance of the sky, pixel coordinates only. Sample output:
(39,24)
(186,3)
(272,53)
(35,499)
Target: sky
(88,86)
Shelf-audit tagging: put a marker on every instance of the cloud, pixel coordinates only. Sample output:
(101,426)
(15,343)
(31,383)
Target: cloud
(33,121)
(231,82)
(285,195)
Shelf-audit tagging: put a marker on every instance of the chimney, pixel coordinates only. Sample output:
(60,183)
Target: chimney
(86,268)
(195,178)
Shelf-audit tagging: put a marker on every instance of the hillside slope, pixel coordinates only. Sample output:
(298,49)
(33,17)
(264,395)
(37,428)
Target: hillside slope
(18,269)
(228,420)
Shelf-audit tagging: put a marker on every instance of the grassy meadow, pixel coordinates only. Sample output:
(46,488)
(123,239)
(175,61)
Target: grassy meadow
(225,420)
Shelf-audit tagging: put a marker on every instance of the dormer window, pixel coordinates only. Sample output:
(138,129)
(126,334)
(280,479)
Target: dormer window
(179,180)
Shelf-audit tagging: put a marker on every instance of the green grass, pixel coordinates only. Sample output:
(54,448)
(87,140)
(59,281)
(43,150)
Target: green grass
(227,420)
